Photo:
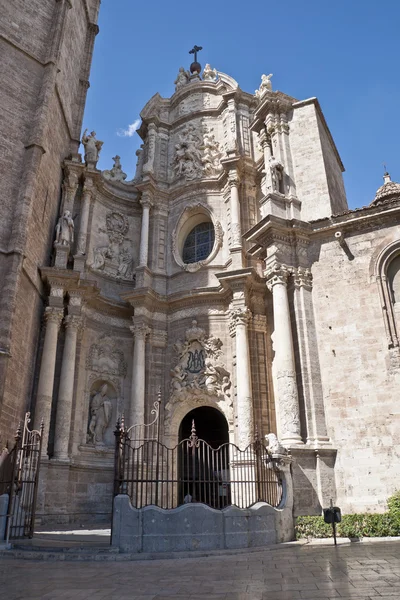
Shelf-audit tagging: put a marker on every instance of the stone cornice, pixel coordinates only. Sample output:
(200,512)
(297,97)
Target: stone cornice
(149,299)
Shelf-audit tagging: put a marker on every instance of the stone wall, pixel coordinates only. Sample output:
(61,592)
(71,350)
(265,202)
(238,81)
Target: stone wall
(46,53)
(360,385)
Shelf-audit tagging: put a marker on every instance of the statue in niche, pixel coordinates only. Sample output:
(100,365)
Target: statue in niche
(65,229)
(116,173)
(92,148)
(265,86)
(209,74)
(182,78)
(100,415)
(276,169)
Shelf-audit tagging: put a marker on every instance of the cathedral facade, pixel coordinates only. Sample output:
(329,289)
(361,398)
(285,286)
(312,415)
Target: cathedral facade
(228,277)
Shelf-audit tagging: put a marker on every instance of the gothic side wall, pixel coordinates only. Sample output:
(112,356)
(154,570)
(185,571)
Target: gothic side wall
(360,385)
(46,50)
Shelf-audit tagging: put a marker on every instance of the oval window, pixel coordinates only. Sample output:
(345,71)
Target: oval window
(199,243)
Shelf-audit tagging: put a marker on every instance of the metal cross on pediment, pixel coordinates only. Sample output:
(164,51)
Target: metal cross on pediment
(195,50)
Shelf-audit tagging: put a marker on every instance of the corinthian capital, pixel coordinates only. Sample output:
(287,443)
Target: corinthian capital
(278,275)
(238,316)
(233,178)
(146,200)
(140,331)
(74,322)
(53,315)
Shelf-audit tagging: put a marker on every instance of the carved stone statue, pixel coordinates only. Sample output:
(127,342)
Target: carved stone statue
(265,86)
(125,267)
(181,79)
(276,169)
(100,415)
(65,229)
(209,74)
(116,173)
(274,445)
(92,148)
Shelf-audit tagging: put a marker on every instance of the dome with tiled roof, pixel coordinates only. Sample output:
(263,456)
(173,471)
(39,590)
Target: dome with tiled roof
(389,191)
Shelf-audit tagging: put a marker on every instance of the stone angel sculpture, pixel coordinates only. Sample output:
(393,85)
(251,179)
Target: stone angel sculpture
(181,79)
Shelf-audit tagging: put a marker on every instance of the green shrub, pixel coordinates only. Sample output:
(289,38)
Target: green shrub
(359,525)
(394,505)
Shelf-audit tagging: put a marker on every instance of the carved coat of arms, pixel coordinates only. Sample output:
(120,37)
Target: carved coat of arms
(199,371)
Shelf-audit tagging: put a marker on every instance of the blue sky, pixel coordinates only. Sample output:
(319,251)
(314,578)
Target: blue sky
(344,52)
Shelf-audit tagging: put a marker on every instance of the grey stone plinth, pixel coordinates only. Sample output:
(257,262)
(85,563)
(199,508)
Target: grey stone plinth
(4,499)
(197,527)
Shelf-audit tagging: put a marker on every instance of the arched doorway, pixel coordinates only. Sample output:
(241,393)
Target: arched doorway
(211,426)
(203,471)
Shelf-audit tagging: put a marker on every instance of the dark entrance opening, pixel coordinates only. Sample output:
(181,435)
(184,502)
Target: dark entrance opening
(204,471)
(211,426)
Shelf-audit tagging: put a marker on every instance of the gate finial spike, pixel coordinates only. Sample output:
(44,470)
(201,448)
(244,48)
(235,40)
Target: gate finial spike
(123,422)
(159,395)
(18,433)
(193,428)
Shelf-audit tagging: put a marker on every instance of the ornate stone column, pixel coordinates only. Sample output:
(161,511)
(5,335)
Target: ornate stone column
(85,210)
(144,233)
(53,318)
(284,370)
(236,230)
(265,145)
(66,390)
(151,149)
(140,331)
(238,328)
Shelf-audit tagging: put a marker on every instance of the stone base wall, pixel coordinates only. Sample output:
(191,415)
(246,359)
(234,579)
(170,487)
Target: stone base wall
(74,495)
(197,527)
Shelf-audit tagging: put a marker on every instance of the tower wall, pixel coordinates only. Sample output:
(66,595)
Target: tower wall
(46,50)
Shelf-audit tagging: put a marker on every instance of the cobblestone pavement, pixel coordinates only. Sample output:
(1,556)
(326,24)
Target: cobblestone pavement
(357,571)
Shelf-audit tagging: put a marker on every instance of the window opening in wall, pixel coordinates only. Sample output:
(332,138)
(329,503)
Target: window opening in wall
(199,243)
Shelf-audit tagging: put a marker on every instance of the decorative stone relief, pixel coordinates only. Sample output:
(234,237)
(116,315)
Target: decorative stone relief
(92,148)
(116,173)
(104,357)
(114,259)
(209,74)
(182,78)
(188,159)
(199,371)
(265,86)
(212,154)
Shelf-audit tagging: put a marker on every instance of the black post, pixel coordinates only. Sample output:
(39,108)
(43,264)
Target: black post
(333,525)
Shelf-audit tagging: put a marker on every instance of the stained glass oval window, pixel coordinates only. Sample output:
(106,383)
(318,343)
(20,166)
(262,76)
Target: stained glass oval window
(199,243)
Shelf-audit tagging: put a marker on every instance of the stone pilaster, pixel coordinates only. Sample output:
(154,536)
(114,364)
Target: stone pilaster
(140,331)
(144,233)
(266,148)
(69,191)
(308,356)
(148,168)
(284,370)
(239,319)
(73,324)
(44,398)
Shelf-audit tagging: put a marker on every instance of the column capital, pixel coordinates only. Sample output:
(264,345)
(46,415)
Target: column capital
(263,138)
(146,200)
(302,278)
(233,178)
(238,316)
(140,331)
(74,322)
(88,187)
(53,315)
(279,274)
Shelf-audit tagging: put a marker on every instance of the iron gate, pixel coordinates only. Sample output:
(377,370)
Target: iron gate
(153,474)
(19,477)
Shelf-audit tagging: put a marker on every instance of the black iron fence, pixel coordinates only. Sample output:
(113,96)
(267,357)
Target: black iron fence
(193,471)
(19,476)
